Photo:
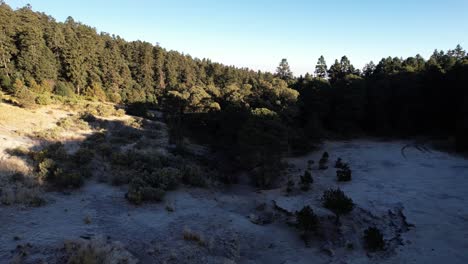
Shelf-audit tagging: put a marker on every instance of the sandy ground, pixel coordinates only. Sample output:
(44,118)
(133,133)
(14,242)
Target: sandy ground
(429,188)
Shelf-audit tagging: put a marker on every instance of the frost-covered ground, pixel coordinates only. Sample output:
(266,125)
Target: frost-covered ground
(432,187)
(428,187)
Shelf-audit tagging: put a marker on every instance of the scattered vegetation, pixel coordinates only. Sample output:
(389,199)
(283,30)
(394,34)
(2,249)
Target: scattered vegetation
(306,181)
(290,186)
(373,239)
(307,222)
(323,161)
(343,173)
(336,201)
(94,251)
(53,164)
(339,164)
(191,235)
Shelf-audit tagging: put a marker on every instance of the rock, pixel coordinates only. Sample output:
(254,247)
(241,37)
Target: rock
(263,218)
(327,249)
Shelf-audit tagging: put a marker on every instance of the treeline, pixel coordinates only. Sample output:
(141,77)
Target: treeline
(396,97)
(70,58)
(252,118)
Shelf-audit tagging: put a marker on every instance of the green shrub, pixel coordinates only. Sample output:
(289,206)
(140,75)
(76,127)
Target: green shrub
(139,191)
(5,83)
(54,151)
(373,239)
(336,201)
(53,165)
(83,156)
(46,168)
(67,179)
(121,159)
(18,151)
(307,222)
(289,186)
(44,99)
(121,176)
(152,194)
(64,89)
(77,123)
(88,117)
(26,98)
(105,149)
(120,112)
(126,135)
(134,196)
(190,235)
(339,163)
(306,219)
(193,175)
(166,178)
(344,174)
(306,180)
(95,139)
(323,161)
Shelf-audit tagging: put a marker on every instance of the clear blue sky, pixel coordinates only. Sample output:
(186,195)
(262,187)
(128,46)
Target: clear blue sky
(258,33)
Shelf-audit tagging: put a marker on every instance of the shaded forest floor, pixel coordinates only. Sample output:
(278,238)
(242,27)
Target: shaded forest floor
(418,200)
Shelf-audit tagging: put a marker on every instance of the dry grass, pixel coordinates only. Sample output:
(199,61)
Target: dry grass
(18,185)
(191,235)
(97,251)
(14,118)
(13,165)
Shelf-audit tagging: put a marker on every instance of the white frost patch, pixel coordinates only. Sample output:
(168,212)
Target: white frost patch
(430,186)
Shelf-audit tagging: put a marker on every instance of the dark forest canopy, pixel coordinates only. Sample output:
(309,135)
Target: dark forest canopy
(240,108)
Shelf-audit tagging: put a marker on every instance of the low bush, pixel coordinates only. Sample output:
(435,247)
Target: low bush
(104,149)
(45,169)
(306,221)
(44,99)
(18,151)
(55,166)
(336,201)
(373,239)
(83,156)
(339,163)
(152,194)
(94,139)
(21,193)
(76,123)
(190,235)
(289,186)
(26,98)
(166,178)
(96,250)
(104,110)
(140,191)
(344,174)
(64,89)
(121,176)
(67,179)
(193,175)
(88,117)
(306,180)
(323,161)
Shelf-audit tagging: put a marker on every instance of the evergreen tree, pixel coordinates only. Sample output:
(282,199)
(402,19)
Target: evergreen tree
(321,68)
(283,71)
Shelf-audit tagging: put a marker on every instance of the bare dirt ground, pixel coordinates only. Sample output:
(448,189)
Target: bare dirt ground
(417,196)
